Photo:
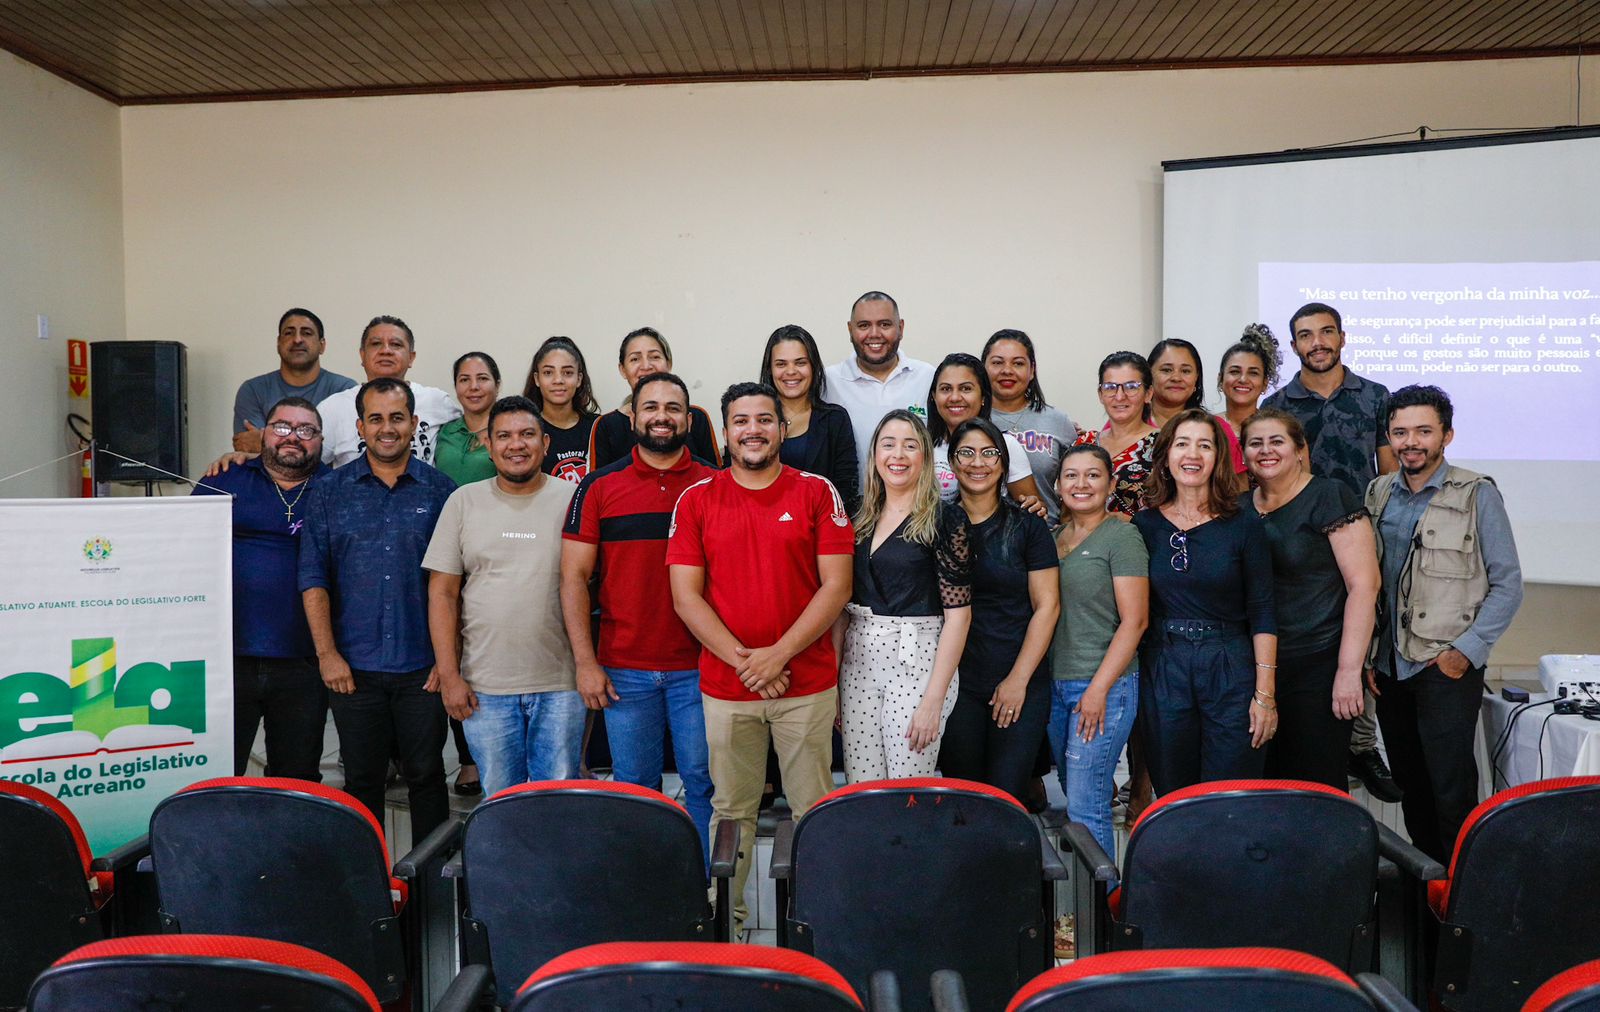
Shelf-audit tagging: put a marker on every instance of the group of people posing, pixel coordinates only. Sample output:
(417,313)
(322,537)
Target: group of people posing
(930,561)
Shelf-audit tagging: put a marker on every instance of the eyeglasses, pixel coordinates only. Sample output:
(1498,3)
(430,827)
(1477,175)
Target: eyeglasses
(966,454)
(305,430)
(1131,386)
(1180,551)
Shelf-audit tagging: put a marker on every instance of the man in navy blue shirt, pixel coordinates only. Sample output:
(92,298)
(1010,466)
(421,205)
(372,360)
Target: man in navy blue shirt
(275,678)
(367,527)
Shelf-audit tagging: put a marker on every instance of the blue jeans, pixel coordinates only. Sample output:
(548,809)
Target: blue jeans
(648,703)
(525,737)
(1086,768)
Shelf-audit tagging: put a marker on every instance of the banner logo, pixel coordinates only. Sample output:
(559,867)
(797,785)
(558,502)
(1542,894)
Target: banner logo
(97,549)
(149,706)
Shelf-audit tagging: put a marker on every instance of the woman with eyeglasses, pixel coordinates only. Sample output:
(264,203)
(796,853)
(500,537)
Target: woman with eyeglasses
(1177,368)
(645,352)
(817,436)
(1325,581)
(1209,705)
(960,391)
(909,611)
(1002,705)
(1127,437)
(462,453)
(559,386)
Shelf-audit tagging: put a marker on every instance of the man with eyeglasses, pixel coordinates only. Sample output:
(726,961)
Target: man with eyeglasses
(299,374)
(275,677)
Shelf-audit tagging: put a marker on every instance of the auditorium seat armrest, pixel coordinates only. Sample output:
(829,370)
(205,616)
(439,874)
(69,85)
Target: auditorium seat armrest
(1055,870)
(949,992)
(124,857)
(725,849)
(146,863)
(1088,853)
(783,850)
(437,845)
(883,989)
(454,868)
(465,993)
(1411,861)
(1385,997)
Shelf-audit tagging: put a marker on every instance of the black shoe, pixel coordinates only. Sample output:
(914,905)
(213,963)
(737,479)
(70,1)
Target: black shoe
(1368,767)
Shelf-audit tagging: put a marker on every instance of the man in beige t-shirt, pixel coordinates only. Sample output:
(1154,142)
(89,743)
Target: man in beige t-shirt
(502,660)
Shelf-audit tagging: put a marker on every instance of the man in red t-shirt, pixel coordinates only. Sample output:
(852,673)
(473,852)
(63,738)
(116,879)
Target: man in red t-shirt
(760,563)
(644,674)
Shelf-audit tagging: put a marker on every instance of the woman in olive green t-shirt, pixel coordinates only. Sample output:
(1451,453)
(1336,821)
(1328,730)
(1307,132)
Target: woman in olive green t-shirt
(1105,595)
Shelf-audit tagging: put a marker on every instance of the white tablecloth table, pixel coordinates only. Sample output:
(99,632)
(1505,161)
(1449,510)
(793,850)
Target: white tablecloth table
(1570,745)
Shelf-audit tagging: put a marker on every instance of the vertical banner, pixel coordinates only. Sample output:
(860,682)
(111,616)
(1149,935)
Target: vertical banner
(116,653)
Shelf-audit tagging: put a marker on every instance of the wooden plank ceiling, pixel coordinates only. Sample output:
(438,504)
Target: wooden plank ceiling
(140,51)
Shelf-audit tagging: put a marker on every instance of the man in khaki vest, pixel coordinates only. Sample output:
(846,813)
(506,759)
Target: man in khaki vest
(1451,585)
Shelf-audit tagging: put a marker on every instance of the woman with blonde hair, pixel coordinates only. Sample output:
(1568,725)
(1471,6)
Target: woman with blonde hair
(906,624)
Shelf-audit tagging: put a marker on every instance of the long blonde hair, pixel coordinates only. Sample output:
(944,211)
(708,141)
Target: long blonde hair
(923,525)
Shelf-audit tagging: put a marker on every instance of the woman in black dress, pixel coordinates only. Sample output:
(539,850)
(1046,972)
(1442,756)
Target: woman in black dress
(1209,705)
(1325,582)
(1002,704)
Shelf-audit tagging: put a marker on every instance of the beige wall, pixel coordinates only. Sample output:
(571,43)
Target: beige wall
(61,223)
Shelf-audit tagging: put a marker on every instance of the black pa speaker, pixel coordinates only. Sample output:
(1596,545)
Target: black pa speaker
(139,399)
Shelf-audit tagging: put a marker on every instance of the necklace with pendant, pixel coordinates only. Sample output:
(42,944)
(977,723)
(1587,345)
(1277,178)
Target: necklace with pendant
(288,507)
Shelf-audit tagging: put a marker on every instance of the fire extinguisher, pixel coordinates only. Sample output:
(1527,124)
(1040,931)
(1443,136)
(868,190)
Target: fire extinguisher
(79,426)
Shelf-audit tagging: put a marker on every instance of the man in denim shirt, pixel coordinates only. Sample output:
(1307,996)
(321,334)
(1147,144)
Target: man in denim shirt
(365,594)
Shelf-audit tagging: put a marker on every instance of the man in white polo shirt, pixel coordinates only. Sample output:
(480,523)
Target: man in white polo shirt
(388,349)
(876,379)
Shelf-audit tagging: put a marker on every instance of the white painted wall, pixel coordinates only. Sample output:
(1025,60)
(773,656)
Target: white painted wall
(61,229)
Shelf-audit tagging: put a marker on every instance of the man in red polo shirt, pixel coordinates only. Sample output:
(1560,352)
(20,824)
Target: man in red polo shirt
(644,674)
(760,561)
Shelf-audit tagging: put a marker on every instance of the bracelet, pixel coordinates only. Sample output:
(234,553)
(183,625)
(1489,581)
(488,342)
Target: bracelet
(1265,695)
(1269,667)
(1265,706)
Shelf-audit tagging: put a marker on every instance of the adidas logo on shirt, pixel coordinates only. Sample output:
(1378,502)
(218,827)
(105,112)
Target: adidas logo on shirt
(785,516)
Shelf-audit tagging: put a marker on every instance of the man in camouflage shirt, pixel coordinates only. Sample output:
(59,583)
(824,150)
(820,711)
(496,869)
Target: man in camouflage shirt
(1343,417)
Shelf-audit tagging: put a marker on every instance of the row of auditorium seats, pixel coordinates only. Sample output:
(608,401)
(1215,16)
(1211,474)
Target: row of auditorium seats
(928,880)
(184,972)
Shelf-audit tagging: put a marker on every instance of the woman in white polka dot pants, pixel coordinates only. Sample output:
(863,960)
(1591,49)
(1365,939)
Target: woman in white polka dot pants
(910,610)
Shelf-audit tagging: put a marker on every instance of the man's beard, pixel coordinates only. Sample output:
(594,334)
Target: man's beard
(274,463)
(662,444)
(519,479)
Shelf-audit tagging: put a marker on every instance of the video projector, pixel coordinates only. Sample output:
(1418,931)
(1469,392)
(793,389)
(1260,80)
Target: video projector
(1571,675)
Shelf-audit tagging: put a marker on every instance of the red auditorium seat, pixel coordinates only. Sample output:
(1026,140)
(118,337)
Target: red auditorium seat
(1213,980)
(1518,906)
(915,876)
(1242,863)
(54,895)
(554,865)
(705,976)
(199,973)
(1574,990)
(292,861)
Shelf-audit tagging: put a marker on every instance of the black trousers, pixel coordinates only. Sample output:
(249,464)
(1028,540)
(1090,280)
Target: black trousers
(1194,709)
(288,695)
(391,714)
(1428,723)
(459,734)
(974,747)
(1311,743)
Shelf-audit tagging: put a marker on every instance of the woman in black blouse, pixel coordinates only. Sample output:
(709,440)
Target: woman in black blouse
(1002,705)
(1208,707)
(645,351)
(907,620)
(817,436)
(1325,582)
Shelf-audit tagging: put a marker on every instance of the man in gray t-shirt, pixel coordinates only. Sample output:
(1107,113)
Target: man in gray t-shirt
(299,374)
